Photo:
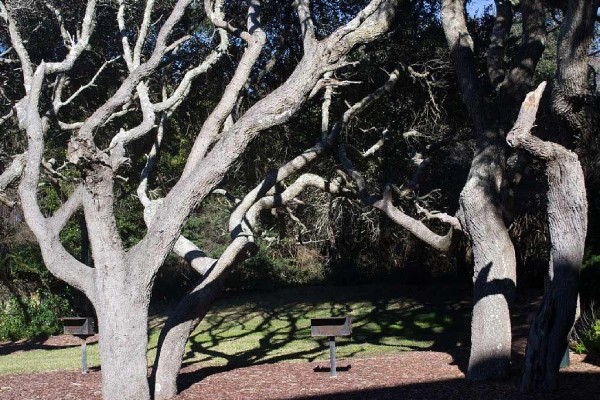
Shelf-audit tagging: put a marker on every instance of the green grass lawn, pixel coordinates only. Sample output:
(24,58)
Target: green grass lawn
(253,328)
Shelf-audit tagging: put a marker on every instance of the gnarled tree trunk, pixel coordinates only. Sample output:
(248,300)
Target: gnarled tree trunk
(567,223)
(494,270)
(481,211)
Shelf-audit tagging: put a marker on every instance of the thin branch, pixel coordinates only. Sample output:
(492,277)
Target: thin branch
(18,45)
(127,55)
(148,120)
(211,128)
(61,216)
(289,194)
(13,172)
(152,158)
(8,116)
(124,93)
(307,26)
(87,27)
(416,227)
(143,32)
(213,9)
(184,86)
(58,103)
(440,216)
(67,39)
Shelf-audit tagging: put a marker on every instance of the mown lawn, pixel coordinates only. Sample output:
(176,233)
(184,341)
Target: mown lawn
(251,328)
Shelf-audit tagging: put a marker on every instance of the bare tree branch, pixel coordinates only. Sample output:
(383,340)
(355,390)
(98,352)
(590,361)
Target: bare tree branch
(58,103)
(211,129)
(416,227)
(306,24)
(143,32)
(443,217)
(520,136)
(213,9)
(87,27)
(17,44)
(123,94)
(67,39)
(460,44)
(184,86)
(13,172)
(497,47)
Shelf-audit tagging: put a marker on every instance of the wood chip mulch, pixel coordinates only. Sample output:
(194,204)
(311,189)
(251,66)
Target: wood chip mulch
(409,375)
(415,375)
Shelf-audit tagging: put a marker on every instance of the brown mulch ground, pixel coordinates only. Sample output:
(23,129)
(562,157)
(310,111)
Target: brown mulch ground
(421,375)
(409,375)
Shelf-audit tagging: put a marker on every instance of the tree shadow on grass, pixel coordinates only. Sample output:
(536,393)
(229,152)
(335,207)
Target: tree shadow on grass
(428,318)
(43,343)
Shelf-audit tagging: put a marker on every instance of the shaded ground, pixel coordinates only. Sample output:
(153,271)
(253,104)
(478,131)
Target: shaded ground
(419,375)
(408,375)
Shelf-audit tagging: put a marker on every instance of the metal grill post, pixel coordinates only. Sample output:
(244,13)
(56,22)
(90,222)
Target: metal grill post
(332,355)
(84,369)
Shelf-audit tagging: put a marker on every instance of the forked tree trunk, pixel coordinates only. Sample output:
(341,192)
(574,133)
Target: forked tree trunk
(494,270)
(567,222)
(123,326)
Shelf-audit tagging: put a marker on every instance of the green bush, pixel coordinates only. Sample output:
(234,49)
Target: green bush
(268,271)
(590,278)
(38,315)
(31,300)
(586,335)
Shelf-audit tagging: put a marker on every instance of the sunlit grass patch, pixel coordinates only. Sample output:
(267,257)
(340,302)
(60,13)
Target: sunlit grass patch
(266,327)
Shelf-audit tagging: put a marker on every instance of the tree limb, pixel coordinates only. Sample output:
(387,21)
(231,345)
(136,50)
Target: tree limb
(123,94)
(13,172)
(87,27)
(520,136)
(306,24)
(496,50)
(416,227)
(519,80)
(461,45)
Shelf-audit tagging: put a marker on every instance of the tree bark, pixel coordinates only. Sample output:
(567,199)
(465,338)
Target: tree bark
(494,276)
(481,213)
(123,325)
(571,100)
(186,316)
(174,335)
(122,295)
(567,224)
